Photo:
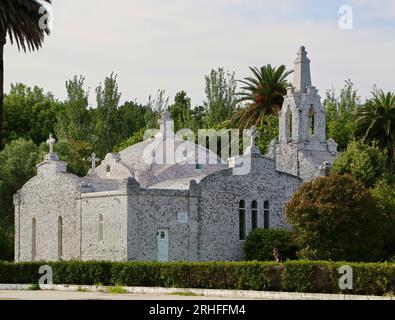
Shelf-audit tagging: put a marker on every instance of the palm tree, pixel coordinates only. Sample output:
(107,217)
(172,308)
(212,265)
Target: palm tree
(19,20)
(376,122)
(264,93)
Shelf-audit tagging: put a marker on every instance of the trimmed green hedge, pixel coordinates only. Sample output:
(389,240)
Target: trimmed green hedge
(292,276)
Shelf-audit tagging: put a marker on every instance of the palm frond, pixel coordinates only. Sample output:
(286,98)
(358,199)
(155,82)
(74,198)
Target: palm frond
(19,20)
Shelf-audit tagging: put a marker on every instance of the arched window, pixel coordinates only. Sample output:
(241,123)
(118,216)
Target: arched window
(242,220)
(101,227)
(266,214)
(34,239)
(60,237)
(311,121)
(254,215)
(289,124)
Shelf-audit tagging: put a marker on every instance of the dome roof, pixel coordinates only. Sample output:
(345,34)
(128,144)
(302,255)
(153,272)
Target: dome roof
(164,157)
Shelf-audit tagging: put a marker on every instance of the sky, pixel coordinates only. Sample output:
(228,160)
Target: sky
(173,44)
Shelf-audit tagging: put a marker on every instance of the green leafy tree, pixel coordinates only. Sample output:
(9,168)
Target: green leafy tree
(264,94)
(17,165)
(131,118)
(376,122)
(106,127)
(180,111)
(19,20)
(29,113)
(384,192)
(260,243)
(341,113)
(268,131)
(68,152)
(74,118)
(337,218)
(365,163)
(220,101)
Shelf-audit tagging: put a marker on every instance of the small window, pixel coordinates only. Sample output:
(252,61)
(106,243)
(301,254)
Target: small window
(182,217)
(242,220)
(101,227)
(266,214)
(34,238)
(163,235)
(199,167)
(311,121)
(289,124)
(254,215)
(60,237)
(108,169)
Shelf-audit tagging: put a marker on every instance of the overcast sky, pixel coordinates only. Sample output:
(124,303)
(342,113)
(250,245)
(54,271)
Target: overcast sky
(172,44)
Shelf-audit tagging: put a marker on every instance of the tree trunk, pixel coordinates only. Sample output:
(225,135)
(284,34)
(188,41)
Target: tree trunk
(2,44)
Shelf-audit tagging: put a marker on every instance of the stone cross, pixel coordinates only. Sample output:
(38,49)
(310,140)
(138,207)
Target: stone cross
(254,134)
(94,159)
(51,142)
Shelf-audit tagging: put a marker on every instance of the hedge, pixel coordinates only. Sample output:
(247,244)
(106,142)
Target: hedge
(291,276)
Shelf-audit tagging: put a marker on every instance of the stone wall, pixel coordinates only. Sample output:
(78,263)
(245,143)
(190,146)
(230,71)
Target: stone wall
(46,197)
(219,206)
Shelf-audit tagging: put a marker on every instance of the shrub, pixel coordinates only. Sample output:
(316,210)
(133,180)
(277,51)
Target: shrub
(337,218)
(299,276)
(365,163)
(261,242)
(384,192)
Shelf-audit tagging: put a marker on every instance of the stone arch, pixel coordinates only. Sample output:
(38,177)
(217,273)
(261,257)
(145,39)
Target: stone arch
(311,122)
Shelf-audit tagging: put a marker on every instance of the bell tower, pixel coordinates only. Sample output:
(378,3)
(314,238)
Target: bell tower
(302,148)
(302,118)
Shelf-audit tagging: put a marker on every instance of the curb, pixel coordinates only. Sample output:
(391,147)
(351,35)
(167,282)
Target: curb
(241,294)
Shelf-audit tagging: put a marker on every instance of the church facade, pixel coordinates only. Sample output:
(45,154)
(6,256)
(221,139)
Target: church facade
(196,207)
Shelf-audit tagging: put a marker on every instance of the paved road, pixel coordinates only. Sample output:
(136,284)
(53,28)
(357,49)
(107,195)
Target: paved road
(78,295)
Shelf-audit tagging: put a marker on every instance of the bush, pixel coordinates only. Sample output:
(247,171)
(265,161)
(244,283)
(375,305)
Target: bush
(365,163)
(337,218)
(261,242)
(384,192)
(299,276)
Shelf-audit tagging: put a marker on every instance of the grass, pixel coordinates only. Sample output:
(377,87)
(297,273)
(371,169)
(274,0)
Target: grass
(117,290)
(34,286)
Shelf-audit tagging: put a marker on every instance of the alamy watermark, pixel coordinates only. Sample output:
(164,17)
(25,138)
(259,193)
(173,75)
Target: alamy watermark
(346,21)
(346,280)
(46,20)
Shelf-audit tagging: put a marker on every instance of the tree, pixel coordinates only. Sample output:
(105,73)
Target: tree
(20,20)
(341,114)
(268,131)
(67,151)
(180,111)
(365,163)
(74,119)
(336,218)
(17,165)
(131,118)
(376,122)
(106,127)
(264,94)
(260,243)
(29,113)
(384,192)
(220,101)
